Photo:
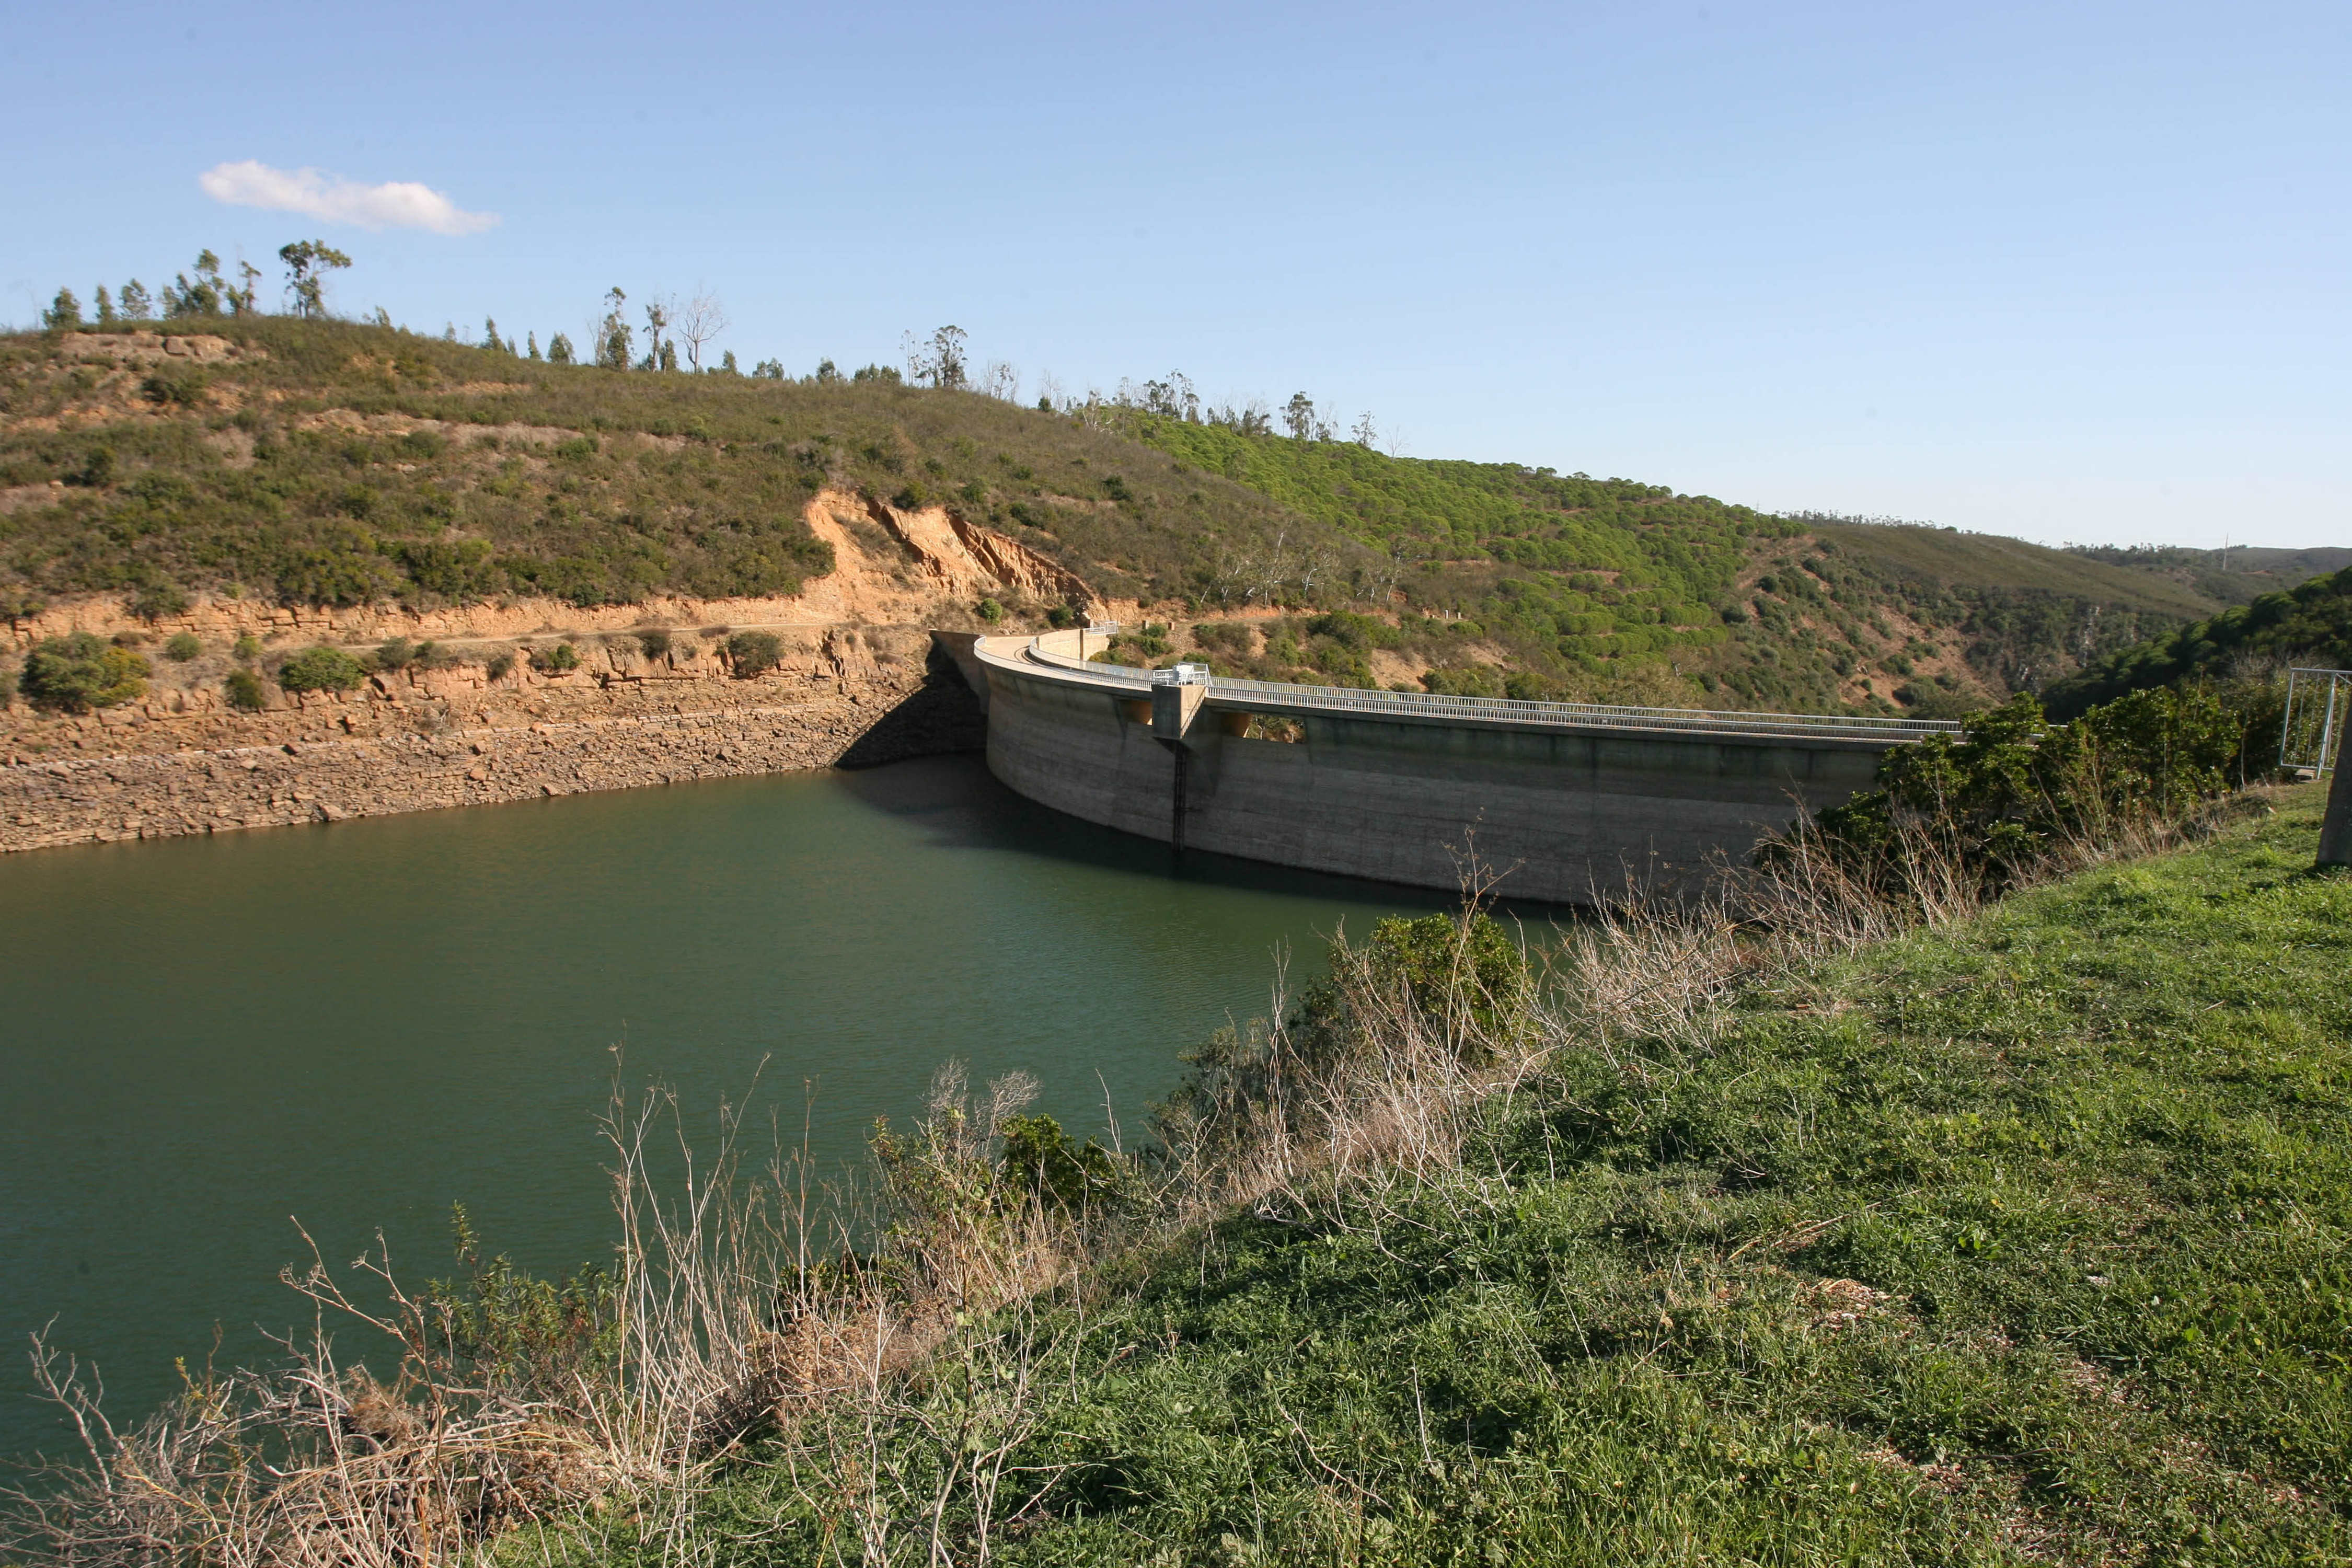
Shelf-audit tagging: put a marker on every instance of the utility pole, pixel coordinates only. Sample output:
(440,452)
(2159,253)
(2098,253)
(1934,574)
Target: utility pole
(2336,825)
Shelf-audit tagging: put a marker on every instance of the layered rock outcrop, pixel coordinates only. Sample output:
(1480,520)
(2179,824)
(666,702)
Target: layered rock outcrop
(420,741)
(520,698)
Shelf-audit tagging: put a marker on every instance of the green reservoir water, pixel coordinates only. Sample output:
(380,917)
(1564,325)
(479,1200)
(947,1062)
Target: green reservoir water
(360,1025)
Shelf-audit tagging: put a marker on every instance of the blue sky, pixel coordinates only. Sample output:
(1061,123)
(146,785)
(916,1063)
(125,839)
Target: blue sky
(2068,272)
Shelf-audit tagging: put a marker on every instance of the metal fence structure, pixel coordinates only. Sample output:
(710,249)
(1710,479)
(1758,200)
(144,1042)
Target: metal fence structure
(1430,705)
(2318,708)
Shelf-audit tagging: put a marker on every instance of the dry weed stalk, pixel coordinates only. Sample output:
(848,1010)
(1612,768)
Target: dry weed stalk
(742,1300)
(738,1301)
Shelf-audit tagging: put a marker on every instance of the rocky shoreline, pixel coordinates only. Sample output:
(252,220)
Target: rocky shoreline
(374,754)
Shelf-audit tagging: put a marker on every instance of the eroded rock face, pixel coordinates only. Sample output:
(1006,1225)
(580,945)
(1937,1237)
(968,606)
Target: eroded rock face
(397,746)
(155,348)
(633,709)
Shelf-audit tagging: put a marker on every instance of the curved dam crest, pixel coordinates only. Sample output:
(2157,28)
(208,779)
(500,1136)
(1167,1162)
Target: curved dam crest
(1563,802)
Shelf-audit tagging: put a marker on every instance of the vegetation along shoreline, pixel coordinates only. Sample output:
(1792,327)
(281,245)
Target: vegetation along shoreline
(1906,1198)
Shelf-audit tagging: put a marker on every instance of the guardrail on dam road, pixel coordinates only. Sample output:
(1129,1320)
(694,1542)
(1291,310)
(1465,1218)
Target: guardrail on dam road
(1570,802)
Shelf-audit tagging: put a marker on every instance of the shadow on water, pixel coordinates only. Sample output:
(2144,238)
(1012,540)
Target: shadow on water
(939,717)
(957,803)
(361,1023)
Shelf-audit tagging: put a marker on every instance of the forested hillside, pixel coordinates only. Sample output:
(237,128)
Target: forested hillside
(2310,625)
(324,462)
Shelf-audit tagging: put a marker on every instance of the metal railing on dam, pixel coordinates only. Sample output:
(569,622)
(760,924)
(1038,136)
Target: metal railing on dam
(1513,710)
(1572,802)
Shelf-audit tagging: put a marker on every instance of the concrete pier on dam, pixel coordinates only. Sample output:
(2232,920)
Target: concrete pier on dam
(1567,802)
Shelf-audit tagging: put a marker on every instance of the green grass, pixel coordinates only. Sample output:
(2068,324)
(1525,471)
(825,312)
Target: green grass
(2023,1241)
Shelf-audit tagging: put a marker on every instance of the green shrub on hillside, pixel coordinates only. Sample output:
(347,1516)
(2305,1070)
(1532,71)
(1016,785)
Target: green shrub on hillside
(183,647)
(1446,961)
(158,600)
(247,647)
(2014,786)
(555,660)
(754,653)
(1466,680)
(320,668)
(243,690)
(1043,1163)
(77,673)
(502,1325)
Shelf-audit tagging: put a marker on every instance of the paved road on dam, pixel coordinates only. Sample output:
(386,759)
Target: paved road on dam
(1568,802)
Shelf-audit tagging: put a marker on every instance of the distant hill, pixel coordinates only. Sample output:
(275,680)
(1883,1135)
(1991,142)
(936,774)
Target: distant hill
(1615,587)
(2310,624)
(2237,575)
(336,463)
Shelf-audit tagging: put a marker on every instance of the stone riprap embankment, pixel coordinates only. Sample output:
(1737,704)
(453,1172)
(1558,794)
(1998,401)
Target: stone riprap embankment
(419,739)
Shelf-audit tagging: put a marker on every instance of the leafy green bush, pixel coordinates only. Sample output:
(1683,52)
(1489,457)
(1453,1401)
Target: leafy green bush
(320,668)
(991,612)
(1466,680)
(158,600)
(183,647)
(77,673)
(751,653)
(98,472)
(655,641)
(247,647)
(2015,786)
(1230,637)
(183,388)
(500,666)
(396,653)
(244,691)
(555,660)
(508,1326)
(1448,959)
(1043,1161)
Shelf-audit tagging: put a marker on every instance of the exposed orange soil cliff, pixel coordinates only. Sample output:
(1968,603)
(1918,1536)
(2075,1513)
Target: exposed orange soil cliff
(491,716)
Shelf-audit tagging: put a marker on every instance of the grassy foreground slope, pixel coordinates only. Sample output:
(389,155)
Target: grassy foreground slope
(2025,1240)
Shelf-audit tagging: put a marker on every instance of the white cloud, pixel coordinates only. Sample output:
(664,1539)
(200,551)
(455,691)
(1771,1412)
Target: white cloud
(395,204)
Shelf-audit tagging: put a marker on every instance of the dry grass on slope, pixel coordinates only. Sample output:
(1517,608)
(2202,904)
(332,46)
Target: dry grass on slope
(923,1374)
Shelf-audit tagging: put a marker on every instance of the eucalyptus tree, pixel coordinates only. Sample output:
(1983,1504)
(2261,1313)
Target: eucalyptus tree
(307,262)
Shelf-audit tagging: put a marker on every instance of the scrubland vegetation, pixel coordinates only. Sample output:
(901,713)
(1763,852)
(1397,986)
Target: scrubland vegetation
(332,462)
(2310,624)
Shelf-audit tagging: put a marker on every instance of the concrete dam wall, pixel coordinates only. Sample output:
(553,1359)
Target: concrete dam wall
(1569,803)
